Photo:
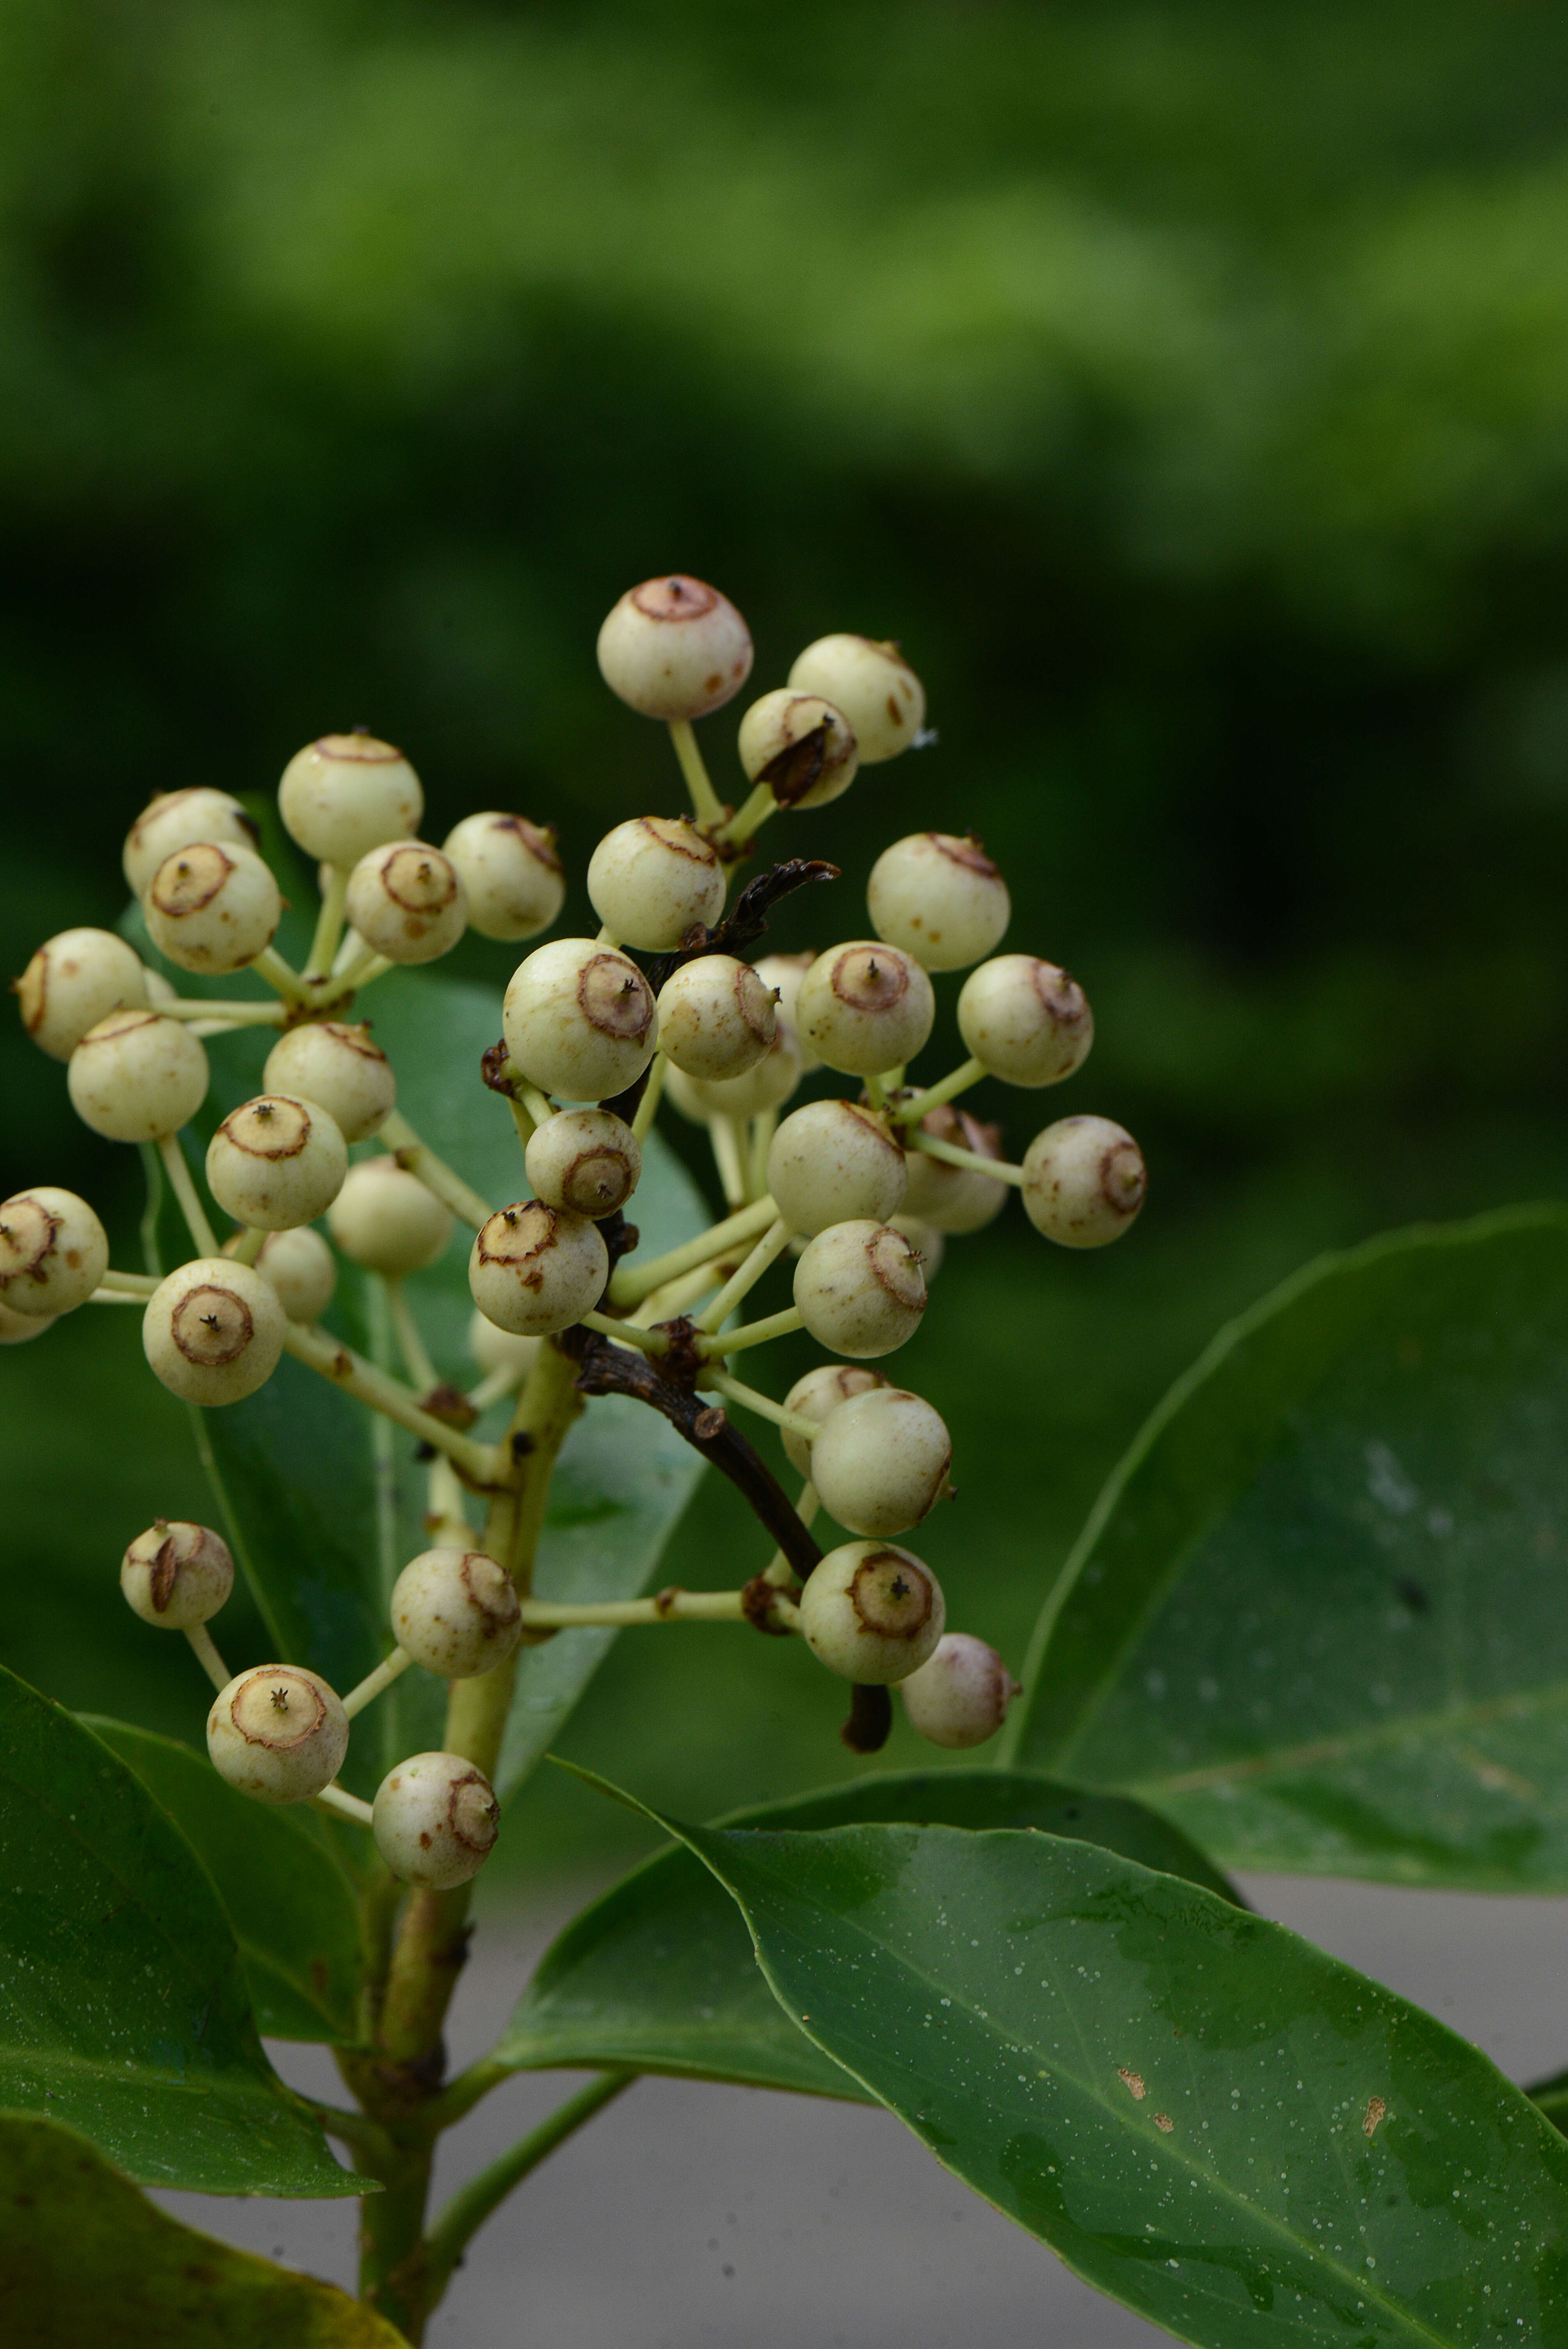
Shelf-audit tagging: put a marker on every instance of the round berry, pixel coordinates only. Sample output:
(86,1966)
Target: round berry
(385,1220)
(342,796)
(277,1733)
(178,820)
(781,975)
(871,1613)
(407,901)
(276,1162)
(435,1820)
(176,1574)
(53,1251)
(137,1077)
(1084,1181)
(821,1391)
(925,1240)
(649,880)
(585,1159)
(456,1612)
(1028,1022)
(514,880)
(960,1695)
(954,1199)
(767,1085)
(881,1464)
(940,898)
(874,687)
(674,648)
(213,1331)
(302,1270)
(832,1163)
(865,1007)
(717,1018)
(501,1350)
(73,981)
(15,1328)
(339,1067)
(212,909)
(800,747)
(580,1019)
(534,1268)
(860,1288)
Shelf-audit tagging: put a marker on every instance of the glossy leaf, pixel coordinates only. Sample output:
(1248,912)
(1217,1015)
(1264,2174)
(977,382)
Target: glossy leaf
(123,2006)
(290,1904)
(660,1972)
(86,2262)
(1318,1616)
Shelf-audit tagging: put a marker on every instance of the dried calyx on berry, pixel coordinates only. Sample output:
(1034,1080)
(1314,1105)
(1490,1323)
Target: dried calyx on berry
(860,1288)
(456,1612)
(651,879)
(407,901)
(435,1820)
(533,1269)
(277,1733)
(177,1575)
(514,878)
(871,1613)
(580,1019)
(73,981)
(212,907)
(865,1007)
(213,1331)
(586,1160)
(53,1251)
(717,1018)
(276,1162)
(1026,1021)
(1084,1182)
(800,746)
(674,648)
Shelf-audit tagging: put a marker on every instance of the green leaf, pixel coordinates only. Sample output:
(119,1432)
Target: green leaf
(659,1971)
(1203,2115)
(86,2262)
(290,1901)
(1317,1615)
(123,2009)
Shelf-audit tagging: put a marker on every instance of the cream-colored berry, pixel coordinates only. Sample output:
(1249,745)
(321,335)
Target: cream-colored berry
(456,1612)
(833,1163)
(534,1268)
(300,1267)
(800,747)
(954,1199)
(514,879)
(782,973)
(880,1462)
(925,1240)
(178,820)
(177,1575)
(435,1820)
(385,1220)
(585,1159)
(407,901)
(213,1331)
(53,1251)
(15,1328)
(344,795)
(821,1391)
(651,879)
(276,1162)
(674,648)
(580,1019)
(874,687)
(871,1613)
(1027,1020)
(767,1085)
(865,1007)
(717,1018)
(501,1350)
(339,1067)
(73,981)
(960,1695)
(137,1077)
(212,908)
(860,1289)
(939,897)
(1084,1182)
(277,1733)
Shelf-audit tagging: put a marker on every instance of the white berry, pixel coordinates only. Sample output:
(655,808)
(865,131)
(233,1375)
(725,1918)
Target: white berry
(15,1328)
(925,1240)
(872,684)
(178,820)
(344,795)
(782,973)
(435,1820)
(338,1066)
(940,898)
(585,1159)
(137,1077)
(276,1162)
(860,1289)
(954,1199)
(1084,1181)
(1028,1021)
(865,1007)
(880,1462)
(385,1220)
(501,1350)
(302,1270)
(213,1331)
(674,648)
(53,1251)
(510,869)
(960,1695)
(277,1733)
(73,981)
(717,1018)
(212,908)
(871,1613)
(821,1391)
(800,747)
(832,1162)
(580,1019)
(767,1085)
(533,1269)
(649,880)
(456,1612)
(177,1575)
(405,900)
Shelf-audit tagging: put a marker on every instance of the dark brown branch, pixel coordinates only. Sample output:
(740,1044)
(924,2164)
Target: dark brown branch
(870,1724)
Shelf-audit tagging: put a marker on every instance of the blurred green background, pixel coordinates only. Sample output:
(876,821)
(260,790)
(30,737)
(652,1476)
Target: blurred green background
(1186,388)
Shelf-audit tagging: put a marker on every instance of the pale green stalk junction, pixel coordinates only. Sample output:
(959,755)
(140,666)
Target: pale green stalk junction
(420,1159)
(957,1080)
(999,1169)
(748,818)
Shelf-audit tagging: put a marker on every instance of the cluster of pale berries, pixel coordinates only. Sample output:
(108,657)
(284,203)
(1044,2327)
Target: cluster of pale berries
(861,1190)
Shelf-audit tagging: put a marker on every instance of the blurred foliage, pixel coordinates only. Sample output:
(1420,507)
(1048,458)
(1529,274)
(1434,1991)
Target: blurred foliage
(1182,386)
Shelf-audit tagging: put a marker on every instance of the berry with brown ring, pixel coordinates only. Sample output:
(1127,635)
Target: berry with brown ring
(277,1733)
(53,1251)
(213,1331)
(879,1464)
(178,820)
(580,1019)
(800,746)
(1084,1182)
(1027,1021)
(137,1077)
(435,1820)
(276,1162)
(874,687)
(302,1268)
(865,1007)
(717,1018)
(456,1612)
(834,1161)
(212,907)
(587,1160)
(177,1575)
(871,1613)
(819,1392)
(651,879)
(344,795)
(674,648)
(76,978)
(510,869)
(950,1198)
(860,1289)
(926,1241)
(938,896)
(533,1269)
(384,1219)
(961,1695)
(407,901)
(337,1065)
